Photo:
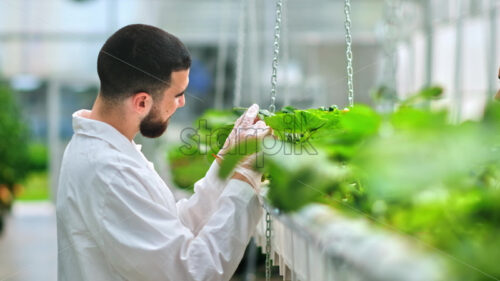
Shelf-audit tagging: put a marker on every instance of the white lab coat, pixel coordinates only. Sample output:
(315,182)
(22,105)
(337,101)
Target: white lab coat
(117,220)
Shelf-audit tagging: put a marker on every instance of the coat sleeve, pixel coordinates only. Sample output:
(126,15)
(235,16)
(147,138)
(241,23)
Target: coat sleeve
(143,240)
(195,211)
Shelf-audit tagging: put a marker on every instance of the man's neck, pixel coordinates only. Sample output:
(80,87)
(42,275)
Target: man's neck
(114,116)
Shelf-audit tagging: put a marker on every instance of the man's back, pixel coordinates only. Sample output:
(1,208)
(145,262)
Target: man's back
(90,163)
(79,254)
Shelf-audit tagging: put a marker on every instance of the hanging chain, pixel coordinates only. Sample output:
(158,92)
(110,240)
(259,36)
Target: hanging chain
(274,75)
(348,53)
(268,246)
(272,109)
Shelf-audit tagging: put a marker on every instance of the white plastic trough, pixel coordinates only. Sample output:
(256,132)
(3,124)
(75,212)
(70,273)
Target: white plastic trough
(319,244)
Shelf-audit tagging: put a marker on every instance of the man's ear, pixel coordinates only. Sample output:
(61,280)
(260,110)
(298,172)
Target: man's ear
(142,103)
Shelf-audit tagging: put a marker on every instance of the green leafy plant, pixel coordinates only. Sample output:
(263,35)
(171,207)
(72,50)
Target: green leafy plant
(410,169)
(14,163)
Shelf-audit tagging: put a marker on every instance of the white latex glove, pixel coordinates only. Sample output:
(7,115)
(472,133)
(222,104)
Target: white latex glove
(245,167)
(241,130)
(247,127)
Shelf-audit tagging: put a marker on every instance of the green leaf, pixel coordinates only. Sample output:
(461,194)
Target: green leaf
(431,92)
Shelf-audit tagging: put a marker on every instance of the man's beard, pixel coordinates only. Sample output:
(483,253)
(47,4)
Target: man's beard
(151,126)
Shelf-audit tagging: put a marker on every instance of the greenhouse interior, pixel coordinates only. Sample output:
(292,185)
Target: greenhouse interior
(372,153)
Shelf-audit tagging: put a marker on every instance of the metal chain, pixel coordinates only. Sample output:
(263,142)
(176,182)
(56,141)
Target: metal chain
(268,246)
(272,109)
(274,75)
(348,53)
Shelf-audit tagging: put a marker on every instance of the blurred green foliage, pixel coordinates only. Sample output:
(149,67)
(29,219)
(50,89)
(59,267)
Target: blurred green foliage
(190,160)
(38,156)
(14,163)
(35,187)
(23,168)
(410,169)
(186,169)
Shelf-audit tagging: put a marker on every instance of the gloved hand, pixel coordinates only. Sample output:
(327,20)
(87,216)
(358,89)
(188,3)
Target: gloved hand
(248,126)
(245,168)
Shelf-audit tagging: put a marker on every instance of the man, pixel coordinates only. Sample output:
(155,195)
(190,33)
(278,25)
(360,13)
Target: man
(116,218)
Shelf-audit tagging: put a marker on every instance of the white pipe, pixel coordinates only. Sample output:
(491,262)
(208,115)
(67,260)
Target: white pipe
(220,79)
(429,43)
(458,63)
(240,52)
(491,73)
(53,114)
(254,53)
(112,16)
(286,55)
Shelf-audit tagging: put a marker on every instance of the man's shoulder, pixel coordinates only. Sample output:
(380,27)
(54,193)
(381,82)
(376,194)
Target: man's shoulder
(91,156)
(95,166)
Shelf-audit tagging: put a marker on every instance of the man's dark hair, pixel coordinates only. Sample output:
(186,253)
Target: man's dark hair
(139,58)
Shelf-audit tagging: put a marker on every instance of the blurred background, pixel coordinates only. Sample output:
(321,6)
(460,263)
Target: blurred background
(48,54)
